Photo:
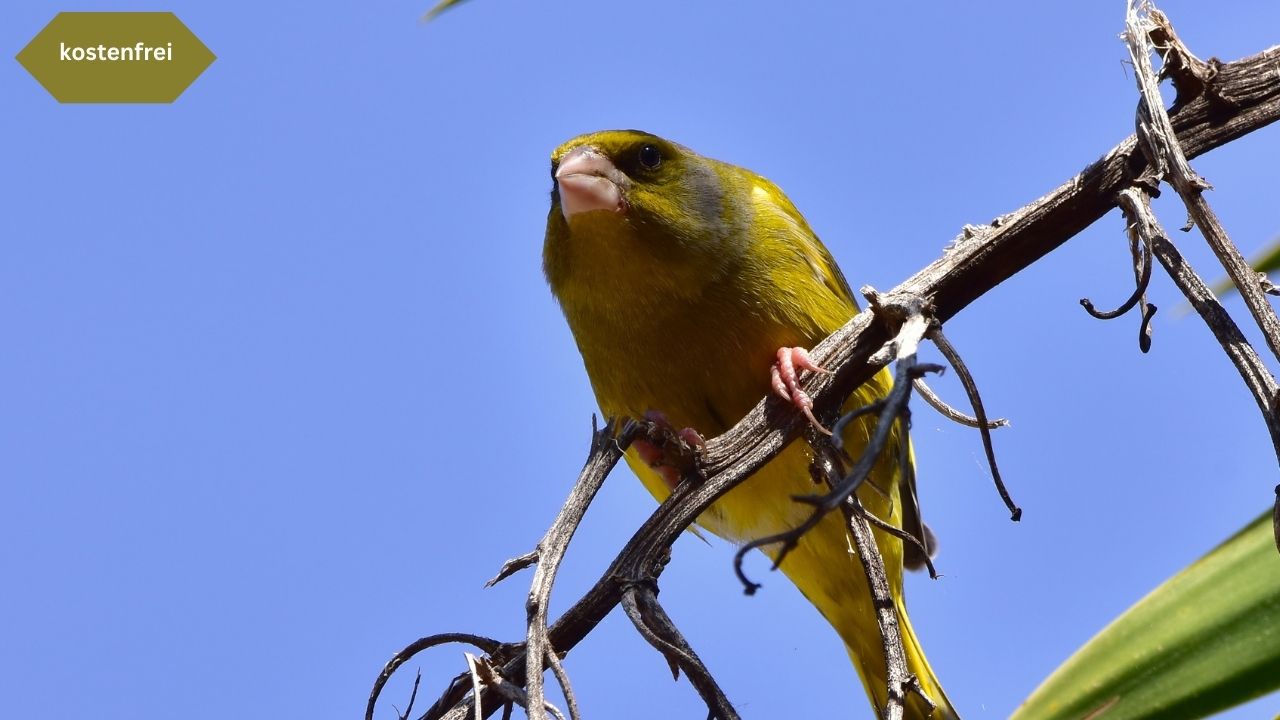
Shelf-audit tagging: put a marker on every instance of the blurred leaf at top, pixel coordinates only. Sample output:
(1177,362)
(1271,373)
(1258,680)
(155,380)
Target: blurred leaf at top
(1205,640)
(1266,261)
(439,8)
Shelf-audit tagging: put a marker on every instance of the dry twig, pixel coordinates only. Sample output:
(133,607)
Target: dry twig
(1144,26)
(491,647)
(899,677)
(1142,224)
(979,412)
(892,409)
(1142,278)
(1217,103)
(911,313)
(1148,30)
(640,602)
(606,450)
(949,412)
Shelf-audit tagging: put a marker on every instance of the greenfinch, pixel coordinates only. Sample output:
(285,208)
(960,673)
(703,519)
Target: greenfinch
(692,288)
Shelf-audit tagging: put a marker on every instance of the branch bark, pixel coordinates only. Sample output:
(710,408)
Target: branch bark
(1136,204)
(1148,30)
(1237,98)
(1142,29)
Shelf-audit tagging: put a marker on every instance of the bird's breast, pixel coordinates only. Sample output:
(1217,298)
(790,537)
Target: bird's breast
(703,364)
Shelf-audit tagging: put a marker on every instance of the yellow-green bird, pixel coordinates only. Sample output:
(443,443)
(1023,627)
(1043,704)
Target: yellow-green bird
(693,287)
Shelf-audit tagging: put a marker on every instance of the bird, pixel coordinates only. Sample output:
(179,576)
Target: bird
(692,288)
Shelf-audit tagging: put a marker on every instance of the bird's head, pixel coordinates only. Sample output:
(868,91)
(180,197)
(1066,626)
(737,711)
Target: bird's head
(635,212)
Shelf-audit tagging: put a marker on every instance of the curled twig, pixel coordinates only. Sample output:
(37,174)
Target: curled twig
(962,371)
(1144,26)
(951,413)
(1142,269)
(1144,328)
(1141,254)
(488,645)
(1165,153)
(1136,203)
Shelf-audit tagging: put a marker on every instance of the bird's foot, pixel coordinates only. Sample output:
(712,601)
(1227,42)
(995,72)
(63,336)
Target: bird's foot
(670,452)
(784,376)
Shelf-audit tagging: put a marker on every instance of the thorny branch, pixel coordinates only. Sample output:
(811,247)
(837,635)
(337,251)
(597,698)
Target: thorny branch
(1217,103)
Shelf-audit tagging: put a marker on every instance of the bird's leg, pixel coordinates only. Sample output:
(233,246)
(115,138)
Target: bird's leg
(668,451)
(784,376)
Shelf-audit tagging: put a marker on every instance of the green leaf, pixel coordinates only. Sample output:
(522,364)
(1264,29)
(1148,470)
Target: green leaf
(1269,260)
(1266,261)
(1205,640)
(440,7)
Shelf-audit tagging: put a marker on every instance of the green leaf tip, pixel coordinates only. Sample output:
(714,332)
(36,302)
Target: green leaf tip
(1205,640)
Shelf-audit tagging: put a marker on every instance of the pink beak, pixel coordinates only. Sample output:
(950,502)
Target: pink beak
(588,181)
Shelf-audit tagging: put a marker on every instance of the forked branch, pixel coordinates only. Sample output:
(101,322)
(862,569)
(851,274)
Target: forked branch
(1217,103)
(1147,31)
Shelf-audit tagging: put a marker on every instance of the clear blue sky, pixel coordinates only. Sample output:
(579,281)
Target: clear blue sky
(281,382)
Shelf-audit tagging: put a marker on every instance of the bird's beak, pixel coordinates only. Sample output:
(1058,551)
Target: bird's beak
(588,181)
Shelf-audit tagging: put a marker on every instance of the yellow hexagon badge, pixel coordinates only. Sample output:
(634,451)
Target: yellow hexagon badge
(115,57)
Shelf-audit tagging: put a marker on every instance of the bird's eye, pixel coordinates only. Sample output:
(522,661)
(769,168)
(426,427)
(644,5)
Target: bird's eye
(650,156)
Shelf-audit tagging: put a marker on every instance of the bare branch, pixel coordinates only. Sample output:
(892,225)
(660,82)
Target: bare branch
(562,677)
(962,371)
(1142,223)
(640,601)
(1148,30)
(413,696)
(1234,99)
(937,403)
(606,450)
(473,669)
(1162,147)
(513,566)
(906,537)
(910,313)
(1142,278)
(488,645)
(899,678)
(484,675)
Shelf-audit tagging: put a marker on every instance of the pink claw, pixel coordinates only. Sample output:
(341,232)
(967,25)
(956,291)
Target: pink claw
(785,380)
(656,457)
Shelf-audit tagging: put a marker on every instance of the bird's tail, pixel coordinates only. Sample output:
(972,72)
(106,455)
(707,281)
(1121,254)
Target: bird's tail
(871,669)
